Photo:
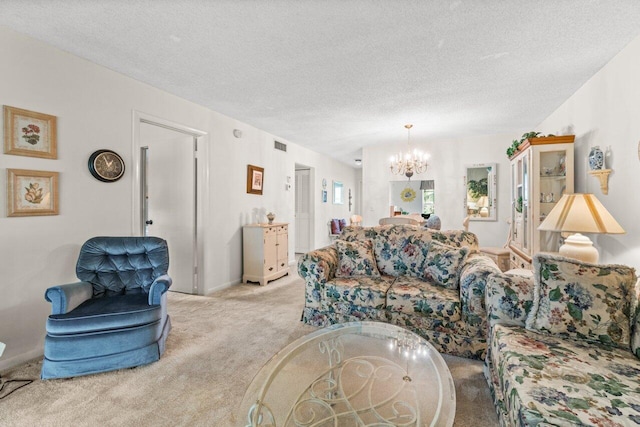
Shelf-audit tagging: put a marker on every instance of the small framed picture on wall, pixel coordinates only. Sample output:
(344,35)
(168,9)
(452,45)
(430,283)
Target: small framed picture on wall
(27,133)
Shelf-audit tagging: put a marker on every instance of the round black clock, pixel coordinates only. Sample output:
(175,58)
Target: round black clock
(106,165)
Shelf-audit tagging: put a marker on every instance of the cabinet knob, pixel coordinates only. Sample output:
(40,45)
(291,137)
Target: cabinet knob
(270,268)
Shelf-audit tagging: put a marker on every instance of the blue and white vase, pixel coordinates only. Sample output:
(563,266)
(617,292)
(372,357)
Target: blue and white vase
(596,158)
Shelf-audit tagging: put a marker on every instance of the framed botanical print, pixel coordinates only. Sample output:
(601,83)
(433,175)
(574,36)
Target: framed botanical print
(27,133)
(255,179)
(31,193)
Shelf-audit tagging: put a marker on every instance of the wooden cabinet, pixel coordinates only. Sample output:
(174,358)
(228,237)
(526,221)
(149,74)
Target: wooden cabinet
(500,256)
(265,249)
(541,172)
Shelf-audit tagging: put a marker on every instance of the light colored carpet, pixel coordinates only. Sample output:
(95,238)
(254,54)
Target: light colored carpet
(218,343)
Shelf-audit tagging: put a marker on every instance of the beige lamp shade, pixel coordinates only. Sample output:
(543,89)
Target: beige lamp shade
(580,213)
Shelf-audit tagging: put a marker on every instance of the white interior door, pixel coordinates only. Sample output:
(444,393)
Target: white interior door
(169,196)
(303,210)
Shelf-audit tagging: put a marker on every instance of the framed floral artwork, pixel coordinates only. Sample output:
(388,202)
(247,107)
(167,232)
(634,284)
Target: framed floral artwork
(255,179)
(31,193)
(27,133)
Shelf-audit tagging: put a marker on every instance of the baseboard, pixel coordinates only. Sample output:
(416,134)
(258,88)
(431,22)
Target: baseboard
(222,286)
(19,359)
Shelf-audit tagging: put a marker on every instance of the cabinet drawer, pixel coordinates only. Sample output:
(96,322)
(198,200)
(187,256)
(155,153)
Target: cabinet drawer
(282,264)
(517,261)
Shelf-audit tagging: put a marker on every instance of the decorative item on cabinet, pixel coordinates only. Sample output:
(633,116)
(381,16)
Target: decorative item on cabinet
(265,249)
(270,217)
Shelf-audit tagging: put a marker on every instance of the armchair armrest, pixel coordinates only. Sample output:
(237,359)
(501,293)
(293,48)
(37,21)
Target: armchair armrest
(64,298)
(473,279)
(159,286)
(509,298)
(319,266)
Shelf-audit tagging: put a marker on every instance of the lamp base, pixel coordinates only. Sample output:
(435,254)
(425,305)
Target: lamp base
(579,247)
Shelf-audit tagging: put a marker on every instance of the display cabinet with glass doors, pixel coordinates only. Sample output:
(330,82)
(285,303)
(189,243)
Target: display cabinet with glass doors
(542,170)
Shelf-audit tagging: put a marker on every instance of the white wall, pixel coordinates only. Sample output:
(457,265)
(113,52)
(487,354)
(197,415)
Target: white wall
(94,109)
(606,112)
(447,168)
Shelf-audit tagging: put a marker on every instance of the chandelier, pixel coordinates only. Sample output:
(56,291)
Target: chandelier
(412,162)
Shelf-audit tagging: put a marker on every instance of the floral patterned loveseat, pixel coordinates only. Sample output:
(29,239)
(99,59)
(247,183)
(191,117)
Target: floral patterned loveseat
(564,345)
(431,282)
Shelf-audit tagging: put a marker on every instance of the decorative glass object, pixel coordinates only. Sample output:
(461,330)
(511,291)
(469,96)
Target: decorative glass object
(271,216)
(596,158)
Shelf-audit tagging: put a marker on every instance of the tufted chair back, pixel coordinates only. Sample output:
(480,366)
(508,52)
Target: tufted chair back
(122,265)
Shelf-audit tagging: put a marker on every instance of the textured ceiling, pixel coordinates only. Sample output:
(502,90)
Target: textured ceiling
(338,75)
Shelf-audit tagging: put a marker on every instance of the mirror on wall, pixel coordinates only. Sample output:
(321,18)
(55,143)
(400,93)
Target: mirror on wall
(481,197)
(338,196)
(411,197)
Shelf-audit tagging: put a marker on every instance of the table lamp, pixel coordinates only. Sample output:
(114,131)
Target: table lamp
(483,204)
(580,213)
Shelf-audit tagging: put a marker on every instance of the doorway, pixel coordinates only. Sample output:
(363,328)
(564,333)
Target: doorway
(168,191)
(304,209)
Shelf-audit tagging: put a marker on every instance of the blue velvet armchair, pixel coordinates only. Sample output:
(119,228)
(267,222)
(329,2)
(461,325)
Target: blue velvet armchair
(116,316)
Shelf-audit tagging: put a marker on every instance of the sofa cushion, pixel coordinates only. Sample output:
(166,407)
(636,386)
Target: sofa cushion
(414,296)
(580,300)
(509,298)
(401,255)
(548,380)
(443,263)
(356,259)
(364,291)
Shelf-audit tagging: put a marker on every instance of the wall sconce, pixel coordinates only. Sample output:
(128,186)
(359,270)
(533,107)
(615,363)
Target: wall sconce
(358,162)
(237,133)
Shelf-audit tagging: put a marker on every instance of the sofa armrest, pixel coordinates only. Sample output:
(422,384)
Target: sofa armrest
(64,298)
(473,278)
(509,298)
(319,266)
(158,288)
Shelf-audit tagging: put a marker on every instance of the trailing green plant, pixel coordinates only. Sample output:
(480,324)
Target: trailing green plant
(513,148)
(478,188)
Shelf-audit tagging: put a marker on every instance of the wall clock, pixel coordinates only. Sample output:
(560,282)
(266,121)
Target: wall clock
(106,165)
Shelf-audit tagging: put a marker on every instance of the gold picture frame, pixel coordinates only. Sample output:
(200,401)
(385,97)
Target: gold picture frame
(28,133)
(31,193)
(255,179)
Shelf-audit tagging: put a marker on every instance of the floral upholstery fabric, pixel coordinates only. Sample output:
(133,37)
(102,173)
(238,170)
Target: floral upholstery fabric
(364,291)
(509,299)
(473,281)
(580,300)
(548,380)
(356,259)
(401,255)
(443,263)
(455,238)
(454,321)
(414,296)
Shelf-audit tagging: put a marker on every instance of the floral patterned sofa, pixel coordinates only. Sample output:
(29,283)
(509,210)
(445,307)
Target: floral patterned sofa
(431,282)
(564,345)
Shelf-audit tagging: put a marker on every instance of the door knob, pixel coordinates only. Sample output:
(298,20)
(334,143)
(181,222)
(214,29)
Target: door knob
(149,222)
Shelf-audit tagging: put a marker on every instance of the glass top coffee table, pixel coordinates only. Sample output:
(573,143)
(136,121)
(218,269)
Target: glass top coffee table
(352,374)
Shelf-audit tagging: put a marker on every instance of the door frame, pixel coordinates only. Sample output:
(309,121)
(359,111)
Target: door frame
(312,206)
(202,185)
